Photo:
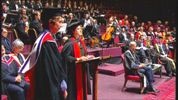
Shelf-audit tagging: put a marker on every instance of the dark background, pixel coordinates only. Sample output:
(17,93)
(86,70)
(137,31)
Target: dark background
(145,9)
(152,10)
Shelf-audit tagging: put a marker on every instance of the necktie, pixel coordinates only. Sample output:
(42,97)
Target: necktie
(20,59)
(7,42)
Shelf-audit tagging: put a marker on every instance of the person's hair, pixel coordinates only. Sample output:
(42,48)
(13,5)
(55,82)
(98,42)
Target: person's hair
(132,43)
(35,13)
(54,19)
(17,43)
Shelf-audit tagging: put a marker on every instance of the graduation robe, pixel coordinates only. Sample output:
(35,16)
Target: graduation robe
(43,69)
(76,73)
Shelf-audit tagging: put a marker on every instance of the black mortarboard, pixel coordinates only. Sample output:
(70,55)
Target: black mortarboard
(49,13)
(74,23)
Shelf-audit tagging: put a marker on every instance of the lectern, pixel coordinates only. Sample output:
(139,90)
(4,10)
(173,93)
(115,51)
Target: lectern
(94,61)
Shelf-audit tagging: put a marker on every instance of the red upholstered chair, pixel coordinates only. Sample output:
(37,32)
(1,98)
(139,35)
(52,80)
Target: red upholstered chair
(132,77)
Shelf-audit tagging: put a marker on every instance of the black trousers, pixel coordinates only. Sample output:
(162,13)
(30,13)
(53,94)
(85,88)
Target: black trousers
(17,92)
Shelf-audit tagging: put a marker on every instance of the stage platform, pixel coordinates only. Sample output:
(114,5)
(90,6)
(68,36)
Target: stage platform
(111,69)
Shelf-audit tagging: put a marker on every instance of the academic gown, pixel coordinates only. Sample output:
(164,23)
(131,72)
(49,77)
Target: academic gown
(4,71)
(76,73)
(46,73)
(13,63)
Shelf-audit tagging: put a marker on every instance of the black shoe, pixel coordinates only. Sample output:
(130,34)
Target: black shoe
(145,91)
(154,90)
(169,75)
(173,74)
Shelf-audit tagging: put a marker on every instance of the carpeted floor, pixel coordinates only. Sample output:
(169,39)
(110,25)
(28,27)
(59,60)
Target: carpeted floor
(109,88)
(167,91)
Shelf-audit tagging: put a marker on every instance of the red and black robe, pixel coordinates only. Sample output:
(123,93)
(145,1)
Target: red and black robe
(43,68)
(76,73)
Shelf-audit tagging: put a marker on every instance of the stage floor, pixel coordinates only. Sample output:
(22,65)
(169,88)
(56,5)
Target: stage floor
(109,88)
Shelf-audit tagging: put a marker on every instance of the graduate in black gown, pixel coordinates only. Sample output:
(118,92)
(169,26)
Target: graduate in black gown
(44,67)
(75,50)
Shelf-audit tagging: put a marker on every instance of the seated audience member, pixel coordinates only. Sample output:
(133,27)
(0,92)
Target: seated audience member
(38,5)
(150,52)
(22,28)
(140,33)
(170,43)
(5,41)
(124,38)
(36,23)
(4,72)
(162,50)
(18,47)
(132,64)
(22,12)
(142,49)
(150,32)
(30,4)
(15,83)
(15,5)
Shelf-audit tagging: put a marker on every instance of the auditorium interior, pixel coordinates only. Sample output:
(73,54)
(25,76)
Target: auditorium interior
(109,30)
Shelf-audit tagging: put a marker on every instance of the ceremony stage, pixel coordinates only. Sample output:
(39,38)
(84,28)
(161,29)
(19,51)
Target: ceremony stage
(111,67)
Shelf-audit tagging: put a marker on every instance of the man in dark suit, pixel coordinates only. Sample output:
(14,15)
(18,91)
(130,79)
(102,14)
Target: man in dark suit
(22,28)
(36,23)
(169,64)
(132,64)
(5,41)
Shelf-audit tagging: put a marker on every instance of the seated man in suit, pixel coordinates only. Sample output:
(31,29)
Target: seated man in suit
(22,28)
(132,64)
(5,41)
(36,23)
(162,50)
(15,83)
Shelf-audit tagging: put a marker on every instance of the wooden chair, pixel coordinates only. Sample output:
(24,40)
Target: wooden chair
(132,77)
(14,31)
(32,34)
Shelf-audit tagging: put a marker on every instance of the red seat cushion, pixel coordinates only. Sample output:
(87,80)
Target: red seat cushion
(133,77)
(4,97)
